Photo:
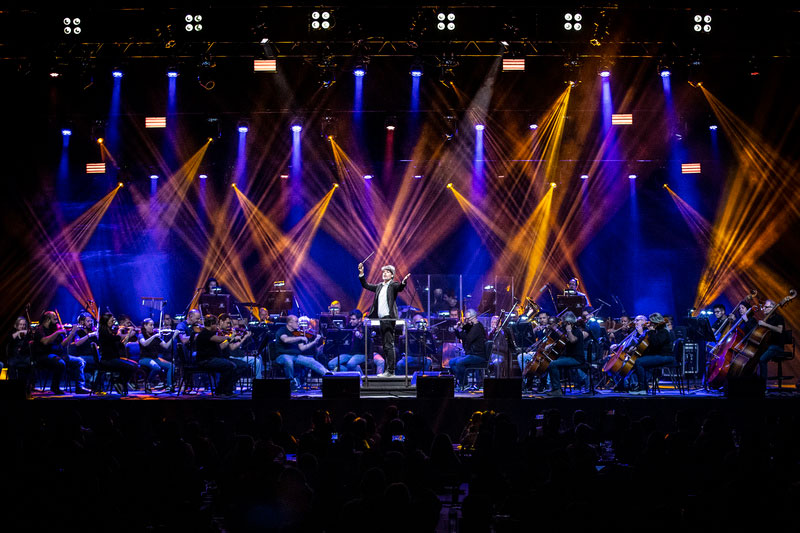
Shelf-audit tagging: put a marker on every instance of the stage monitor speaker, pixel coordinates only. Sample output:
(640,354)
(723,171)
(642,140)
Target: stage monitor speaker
(341,387)
(435,387)
(12,390)
(506,388)
(746,387)
(275,388)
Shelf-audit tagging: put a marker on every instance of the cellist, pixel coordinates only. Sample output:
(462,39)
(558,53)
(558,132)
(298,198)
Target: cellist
(658,352)
(776,324)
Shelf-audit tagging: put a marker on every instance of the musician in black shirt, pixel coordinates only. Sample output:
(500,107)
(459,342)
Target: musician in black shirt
(49,341)
(19,350)
(658,352)
(209,356)
(353,351)
(776,324)
(573,355)
(151,349)
(294,348)
(473,338)
(719,316)
(112,351)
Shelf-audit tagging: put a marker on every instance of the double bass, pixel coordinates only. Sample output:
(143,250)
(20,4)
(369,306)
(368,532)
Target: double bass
(719,362)
(746,353)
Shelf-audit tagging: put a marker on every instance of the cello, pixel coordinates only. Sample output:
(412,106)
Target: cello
(746,353)
(545,351)
(622,361)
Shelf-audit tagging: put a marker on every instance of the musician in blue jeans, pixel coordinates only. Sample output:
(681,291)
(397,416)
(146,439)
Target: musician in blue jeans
(473,338)
(295,349)
(776,324)
(573,355)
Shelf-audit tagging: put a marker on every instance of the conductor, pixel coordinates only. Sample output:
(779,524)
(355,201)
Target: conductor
(384,307)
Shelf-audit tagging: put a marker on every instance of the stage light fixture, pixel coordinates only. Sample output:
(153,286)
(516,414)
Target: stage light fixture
(513,64)
(418,176)
(533,126)
(328,129)
(713,127)
(172,71)
(120,184)
(153,176)
(322,20)
(445,21)
(242,127)
(390,123)
(360,67)
(193,22)
(203,176)
(95,168)
(66,132)
(450,186)
(117,72)
(72,25)
(552,184)
(604,71)
(584,176)
(155,122)
(702,23)
(265,65)
(479,127)
(416,68)
(572,21)
(297,128)
(664,71)
(632,176)
(368,176)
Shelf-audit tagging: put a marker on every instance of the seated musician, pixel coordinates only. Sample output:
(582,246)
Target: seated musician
(186,329)
(719,316)
(473,337)
(420,340)
(112,342)
(528,333)
(572,357)
(83,340)
(167,322)
(353,348)
(234,348)
(49,341)
(615,336)
(263,315)
(151,349)
(658,352)
(776,324)
(295,349)
(19,349)
(209,356)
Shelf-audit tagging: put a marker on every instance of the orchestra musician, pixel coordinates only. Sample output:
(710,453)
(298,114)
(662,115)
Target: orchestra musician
(776,324)
(719,315)
(658,352)
(638,327)
(209,357)
(572,357)
(112,351)
(355,356)
(616,336)
(152,347)
(572,289)
(420,339)
(188,328)
(234,347)
(167,322)
(49,341)
(296,349)
(473,338)
(19,350)
(84,340)
(384,307)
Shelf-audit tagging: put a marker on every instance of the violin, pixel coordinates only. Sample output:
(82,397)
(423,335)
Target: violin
(309,334)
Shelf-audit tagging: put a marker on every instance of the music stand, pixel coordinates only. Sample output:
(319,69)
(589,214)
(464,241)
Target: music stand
(152,303)
(698,329)
(280,301)
(570,302)
(488,302)
(423,339)
(334,340)
(215,304)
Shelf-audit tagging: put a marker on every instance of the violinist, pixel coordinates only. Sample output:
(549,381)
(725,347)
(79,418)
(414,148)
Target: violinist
(624,329)
(233,348)
(353,355)
(658,352)
(420,344)
(84,340)
(48,352)
(111,342)
(572,357)
(209,356)
(152,347)
(776,324)
(188,328)
(19,350)
(296,349)
(167,322)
